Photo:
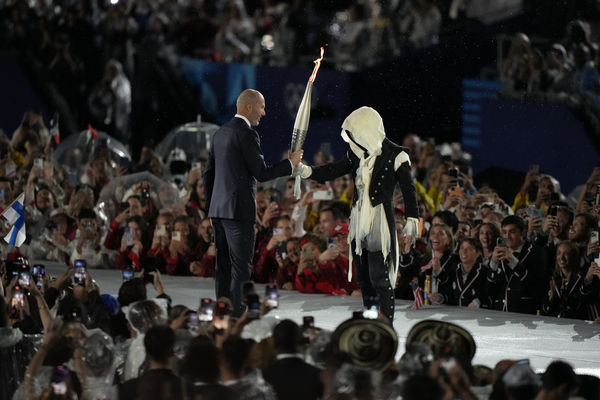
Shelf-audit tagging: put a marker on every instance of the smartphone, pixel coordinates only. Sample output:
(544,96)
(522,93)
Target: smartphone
(17,297)
(501,242)
(128,235)
(222,309)
(282,250)
(161,230)
(24,278)
(534,168)
(196,165)
(124,206)
(59,380)
(80,269)
(553,211)
(247,290)
(307,254)
(323,195)
(370,312)
(277,231)
(15,267)
(272,295)
(39,269)
(594,237)
(448,364)
(127,274)
(308,321)
(38,163)
(149,266)
(253,306)
(453,172)
(177,236)
(332,242)
(532,211)
(597,198)
(206,310)
(192,320)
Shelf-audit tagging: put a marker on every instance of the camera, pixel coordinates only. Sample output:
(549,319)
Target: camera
(206,310)
(272,295)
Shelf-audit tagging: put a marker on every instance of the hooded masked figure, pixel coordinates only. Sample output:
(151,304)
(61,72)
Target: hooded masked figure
(377,165)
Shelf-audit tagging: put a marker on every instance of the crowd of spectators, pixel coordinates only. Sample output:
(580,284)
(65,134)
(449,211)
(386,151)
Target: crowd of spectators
(565,71)
(536,254)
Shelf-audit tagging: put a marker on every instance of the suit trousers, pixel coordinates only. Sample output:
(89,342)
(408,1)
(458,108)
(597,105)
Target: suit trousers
(374,282)
(234,242)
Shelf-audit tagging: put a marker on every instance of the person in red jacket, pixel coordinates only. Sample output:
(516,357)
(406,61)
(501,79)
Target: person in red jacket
(115,231)
(315,273)
(288,265)
(265,268)
(339,246)
(133,249)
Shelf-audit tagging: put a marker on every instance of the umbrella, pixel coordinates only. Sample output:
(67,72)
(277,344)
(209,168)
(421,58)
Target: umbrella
(84,142)
(164,194)
(194,138)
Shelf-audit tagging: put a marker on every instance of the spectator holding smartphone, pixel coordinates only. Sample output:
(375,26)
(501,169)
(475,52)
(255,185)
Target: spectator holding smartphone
(87,239)
(182,248)
(288,264)
(133,249)
(316,274)
(131,207)
(265,269)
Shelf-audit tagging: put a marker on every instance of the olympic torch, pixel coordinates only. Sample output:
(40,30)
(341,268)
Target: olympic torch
(303,117)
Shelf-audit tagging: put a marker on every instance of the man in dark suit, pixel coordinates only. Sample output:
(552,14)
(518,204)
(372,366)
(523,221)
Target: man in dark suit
(291,377)
(234,164)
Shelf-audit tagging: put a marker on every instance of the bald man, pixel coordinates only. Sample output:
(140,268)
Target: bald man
(234,165)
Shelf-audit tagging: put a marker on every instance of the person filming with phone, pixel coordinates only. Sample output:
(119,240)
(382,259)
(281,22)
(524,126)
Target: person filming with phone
(518,277)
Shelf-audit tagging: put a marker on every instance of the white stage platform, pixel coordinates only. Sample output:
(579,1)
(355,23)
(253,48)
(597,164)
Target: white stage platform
(497,335)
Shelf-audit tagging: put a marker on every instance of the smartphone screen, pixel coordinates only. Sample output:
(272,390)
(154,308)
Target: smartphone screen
(192,320)
(247,289)
(24,278)
(272,295)
(501,242)
(308,321)
(177,236)
(79,277)
(127,274)
(206,310)
(161,230)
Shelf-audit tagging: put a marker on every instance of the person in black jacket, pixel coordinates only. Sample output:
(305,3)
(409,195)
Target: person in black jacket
(564,297)
(291,377)
(516,280)
(377,165)
(468,282)
(234,164)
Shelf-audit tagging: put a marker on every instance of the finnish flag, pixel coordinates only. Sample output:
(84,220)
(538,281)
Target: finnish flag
(15,215)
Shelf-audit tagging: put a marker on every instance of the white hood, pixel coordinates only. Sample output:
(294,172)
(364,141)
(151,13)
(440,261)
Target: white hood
(366,127)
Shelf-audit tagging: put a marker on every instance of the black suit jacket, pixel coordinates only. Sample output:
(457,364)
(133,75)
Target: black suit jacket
(293,378)
(234,164)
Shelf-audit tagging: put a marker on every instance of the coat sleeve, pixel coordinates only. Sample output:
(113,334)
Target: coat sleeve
(409,193)
(255,160)
(333,170)
(209,177)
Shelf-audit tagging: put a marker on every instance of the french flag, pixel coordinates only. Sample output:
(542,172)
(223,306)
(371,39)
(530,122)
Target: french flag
(15,215)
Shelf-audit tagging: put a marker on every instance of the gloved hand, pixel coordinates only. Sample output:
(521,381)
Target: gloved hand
(301,170)
(411,228)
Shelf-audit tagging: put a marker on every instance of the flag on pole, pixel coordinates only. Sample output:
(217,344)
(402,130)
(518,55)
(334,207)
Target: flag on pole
(418,294)
(91,136)
(15,215)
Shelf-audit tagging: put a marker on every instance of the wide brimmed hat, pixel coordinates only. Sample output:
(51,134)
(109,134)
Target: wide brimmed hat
(370,343)
(445,339)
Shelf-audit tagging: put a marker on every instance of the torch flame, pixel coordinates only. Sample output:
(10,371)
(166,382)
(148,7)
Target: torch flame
(317,62)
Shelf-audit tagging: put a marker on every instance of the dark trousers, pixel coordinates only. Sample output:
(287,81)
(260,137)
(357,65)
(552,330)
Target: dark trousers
(372,277)
(234,242)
